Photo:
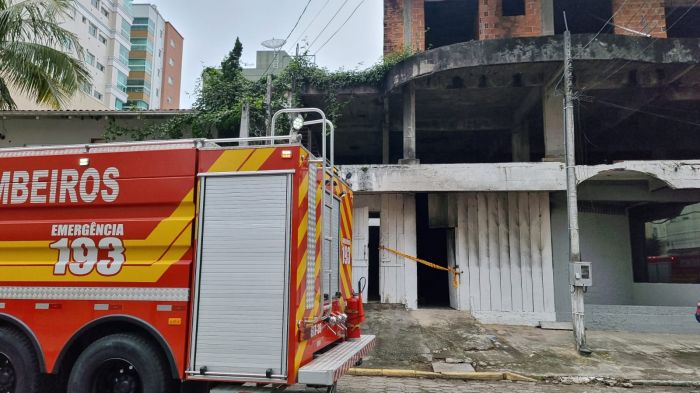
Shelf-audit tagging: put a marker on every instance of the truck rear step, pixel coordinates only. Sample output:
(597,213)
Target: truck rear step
(326,369)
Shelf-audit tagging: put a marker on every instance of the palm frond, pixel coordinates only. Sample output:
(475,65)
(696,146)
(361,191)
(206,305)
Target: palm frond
(6,100)
(33,48)
(43,72)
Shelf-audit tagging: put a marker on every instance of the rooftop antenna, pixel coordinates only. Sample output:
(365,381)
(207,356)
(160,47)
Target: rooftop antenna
(274,43)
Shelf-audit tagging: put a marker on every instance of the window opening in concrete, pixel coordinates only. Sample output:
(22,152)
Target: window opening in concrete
(683,22)
(513,7)
(450,22)
(609,132)
(584,17)
(666,243)
(433,285)
(372,291)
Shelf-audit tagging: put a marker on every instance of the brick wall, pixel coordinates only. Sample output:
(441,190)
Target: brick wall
(492,23)
(647,16)
(394,37)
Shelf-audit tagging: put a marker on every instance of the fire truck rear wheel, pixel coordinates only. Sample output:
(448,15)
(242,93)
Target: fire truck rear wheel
(121,363)
(19,366)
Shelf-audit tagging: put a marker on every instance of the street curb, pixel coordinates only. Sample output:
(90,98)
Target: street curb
(589,380)
(469,376)
(682,384)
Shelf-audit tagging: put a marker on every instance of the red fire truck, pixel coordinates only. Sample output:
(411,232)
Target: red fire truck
(193,264)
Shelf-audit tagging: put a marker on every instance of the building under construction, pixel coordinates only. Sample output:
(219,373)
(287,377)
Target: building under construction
(459,159)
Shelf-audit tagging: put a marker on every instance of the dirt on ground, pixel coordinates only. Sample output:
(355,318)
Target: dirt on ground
(417,339)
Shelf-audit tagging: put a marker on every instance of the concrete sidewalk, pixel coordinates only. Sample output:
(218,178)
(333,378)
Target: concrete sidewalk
(428,339)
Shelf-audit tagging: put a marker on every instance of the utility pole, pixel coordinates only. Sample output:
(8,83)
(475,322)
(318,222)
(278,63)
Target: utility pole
(577,301)
(268,106)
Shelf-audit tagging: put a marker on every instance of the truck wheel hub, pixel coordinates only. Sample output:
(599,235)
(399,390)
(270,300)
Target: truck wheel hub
(117,376)
(7,375)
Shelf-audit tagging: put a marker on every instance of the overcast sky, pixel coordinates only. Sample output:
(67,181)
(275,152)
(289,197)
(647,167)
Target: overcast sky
(210,28)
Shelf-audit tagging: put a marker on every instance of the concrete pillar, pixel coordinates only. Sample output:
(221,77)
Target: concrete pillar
(386,130)
(520,139)
(554,143)
(547,10)
(411,248)
(408,24)
(245,123)
(409,125)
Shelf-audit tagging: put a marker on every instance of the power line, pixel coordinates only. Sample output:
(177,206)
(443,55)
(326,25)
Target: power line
(655,114)
(605,24)
(329,23)
(311,23)
(341,26)
(653,41)
(288,35)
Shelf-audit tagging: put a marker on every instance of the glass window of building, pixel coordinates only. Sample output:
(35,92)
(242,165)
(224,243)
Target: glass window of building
(92,29)
(172,44)
(118,104)
(126,29)
(89,58)
(95,3)
(122,81)
(666,243)
(123,54)
(171,62)
(105,12)
(170,80)
(103,39)
(100,66)
(97,95)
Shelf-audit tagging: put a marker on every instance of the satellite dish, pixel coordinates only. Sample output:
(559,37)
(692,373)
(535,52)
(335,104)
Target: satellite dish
(274,43)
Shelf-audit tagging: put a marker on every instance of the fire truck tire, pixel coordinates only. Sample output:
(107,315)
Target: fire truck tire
(120,362)
(19,366)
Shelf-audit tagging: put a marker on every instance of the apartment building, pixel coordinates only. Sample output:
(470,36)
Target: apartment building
(103,27)
(155,61)
(459,159)
(172,68)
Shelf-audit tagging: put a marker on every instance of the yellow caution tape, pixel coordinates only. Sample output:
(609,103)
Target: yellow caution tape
(455,272)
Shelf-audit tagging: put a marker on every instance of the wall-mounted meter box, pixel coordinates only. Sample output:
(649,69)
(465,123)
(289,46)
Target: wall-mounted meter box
(581,274)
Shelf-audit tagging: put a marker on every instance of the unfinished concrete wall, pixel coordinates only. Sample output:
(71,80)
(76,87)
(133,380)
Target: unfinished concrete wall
(492,23)
(404,25)
(685,295)
(605,241)
(45,131)
(640,16)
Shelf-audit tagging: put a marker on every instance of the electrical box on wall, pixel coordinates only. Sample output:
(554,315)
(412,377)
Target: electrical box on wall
(581,274)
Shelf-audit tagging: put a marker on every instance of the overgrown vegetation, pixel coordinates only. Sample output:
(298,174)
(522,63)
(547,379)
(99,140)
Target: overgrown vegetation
(222,93)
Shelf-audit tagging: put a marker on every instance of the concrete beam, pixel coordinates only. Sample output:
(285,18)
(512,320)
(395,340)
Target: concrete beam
(457,177)
(547,176)
(409,125)
(677,175)
(542,50)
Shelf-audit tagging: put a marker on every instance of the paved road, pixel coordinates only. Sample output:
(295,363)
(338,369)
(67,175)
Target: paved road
(408,385)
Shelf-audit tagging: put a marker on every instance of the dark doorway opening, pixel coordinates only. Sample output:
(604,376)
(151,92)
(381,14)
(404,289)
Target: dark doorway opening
(450,22)
(683,22)
(584,17)
(433,289)
(373,262)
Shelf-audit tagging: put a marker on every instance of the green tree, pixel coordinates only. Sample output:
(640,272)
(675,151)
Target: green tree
(231,66)
(222,93)
(37,55)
